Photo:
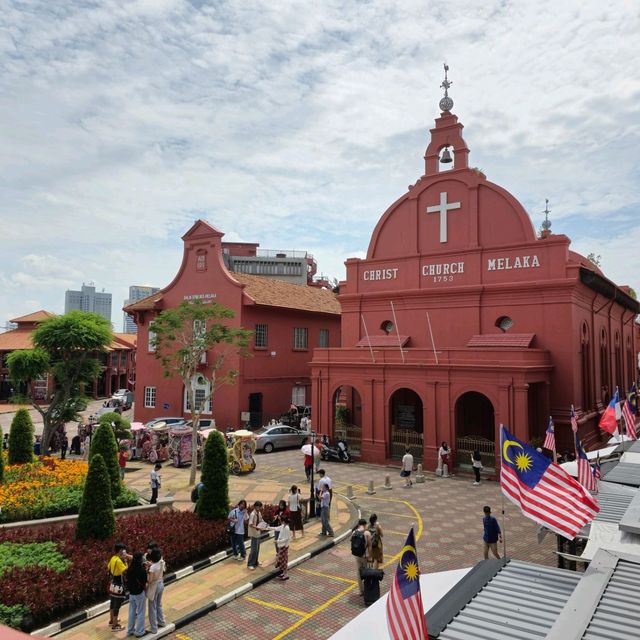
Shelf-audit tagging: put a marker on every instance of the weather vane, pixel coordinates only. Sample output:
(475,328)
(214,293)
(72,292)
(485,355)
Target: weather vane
(446,104)
(546,225)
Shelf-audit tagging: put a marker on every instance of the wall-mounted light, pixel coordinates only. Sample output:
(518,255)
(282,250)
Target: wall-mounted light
(273,354)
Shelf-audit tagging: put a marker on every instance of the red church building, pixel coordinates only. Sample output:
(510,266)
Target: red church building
(288,321)
(461,318)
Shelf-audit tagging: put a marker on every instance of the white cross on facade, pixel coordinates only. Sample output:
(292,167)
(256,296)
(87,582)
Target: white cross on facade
(442,209)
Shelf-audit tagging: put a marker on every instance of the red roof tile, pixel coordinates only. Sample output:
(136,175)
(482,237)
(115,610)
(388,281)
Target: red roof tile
(36,316)
(16,339)
(519,340)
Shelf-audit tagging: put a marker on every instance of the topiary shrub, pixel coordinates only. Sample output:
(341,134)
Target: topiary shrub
(21,438)
(96,519)
(213,498)
(121,426)
(103,443)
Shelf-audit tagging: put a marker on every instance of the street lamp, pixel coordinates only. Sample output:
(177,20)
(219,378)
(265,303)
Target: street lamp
(312,496)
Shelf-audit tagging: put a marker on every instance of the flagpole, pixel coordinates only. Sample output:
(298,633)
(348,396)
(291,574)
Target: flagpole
(504,529)
(368,338)
(395,321)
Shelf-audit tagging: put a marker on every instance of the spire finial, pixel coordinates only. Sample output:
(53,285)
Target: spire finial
(546,225)
(446,104)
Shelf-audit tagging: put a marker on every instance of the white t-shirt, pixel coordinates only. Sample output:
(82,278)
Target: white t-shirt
(407,462)
(294,501)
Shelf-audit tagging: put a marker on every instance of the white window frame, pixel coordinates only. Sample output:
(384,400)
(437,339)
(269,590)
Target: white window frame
(199,386)
(263,332)
(323,337)
(150,397)
(301,338)
(299,395)
(151,347)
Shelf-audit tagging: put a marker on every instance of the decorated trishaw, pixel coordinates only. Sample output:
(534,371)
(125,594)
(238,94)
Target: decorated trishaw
(241,449)
(180,439)
(154,442)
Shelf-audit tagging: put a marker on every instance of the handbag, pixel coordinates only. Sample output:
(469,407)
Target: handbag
(116,587)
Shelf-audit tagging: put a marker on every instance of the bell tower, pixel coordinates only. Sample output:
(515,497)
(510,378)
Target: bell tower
(446,134)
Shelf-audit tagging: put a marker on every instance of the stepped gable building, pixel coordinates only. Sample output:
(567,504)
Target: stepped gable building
(288,321)
(461,318)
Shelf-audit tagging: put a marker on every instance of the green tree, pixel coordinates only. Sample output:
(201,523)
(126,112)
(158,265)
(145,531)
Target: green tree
(21,438)
(194,341)
(103,444)
(592,257)
(96,519)
(121,426)
(213,498)
(67,348)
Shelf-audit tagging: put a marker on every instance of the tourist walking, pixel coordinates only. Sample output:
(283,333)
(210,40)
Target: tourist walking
(361,549)
(492,534)
(136,584)
(155,589)
(476,461)
(295,512)
(325,507)
(375,531)
(444,458)
(407,467)
(155,481)
(256,527)
(117,566)
(283,538)
(122,461)
(238,518)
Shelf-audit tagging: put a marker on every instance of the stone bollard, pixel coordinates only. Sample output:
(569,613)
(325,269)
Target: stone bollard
(349,492)
(387,482)
(370,490)
(420,478)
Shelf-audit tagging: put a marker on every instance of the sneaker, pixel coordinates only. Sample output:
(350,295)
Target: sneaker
(283,577)
(251,568)
(239,558)
(475,484)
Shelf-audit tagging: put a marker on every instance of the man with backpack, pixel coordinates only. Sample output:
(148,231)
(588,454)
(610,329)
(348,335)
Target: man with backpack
(361,549)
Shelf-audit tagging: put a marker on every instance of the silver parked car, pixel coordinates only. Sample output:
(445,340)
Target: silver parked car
(279,437)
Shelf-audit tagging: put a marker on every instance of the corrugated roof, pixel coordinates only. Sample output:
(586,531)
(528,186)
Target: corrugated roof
(624,473)
(382,341)
(521,602)
(276,293)
(36,316)
(16,339)
(614,500)
(634,446)
(520,340)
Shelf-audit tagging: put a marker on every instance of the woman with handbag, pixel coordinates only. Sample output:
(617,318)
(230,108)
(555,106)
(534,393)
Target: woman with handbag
(155,588)
(476,461)
(117,568)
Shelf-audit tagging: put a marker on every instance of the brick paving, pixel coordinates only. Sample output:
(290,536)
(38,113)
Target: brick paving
(321,595)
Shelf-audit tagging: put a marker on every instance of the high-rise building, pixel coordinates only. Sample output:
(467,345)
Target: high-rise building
(135,293)
(87,299)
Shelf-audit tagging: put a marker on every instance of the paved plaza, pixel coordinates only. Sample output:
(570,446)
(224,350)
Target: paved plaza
(322,595)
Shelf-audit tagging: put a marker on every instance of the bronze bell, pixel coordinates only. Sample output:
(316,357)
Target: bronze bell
(446,156)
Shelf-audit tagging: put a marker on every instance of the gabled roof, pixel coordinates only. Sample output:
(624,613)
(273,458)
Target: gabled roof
(276,293)
(16,339)
(144,304)
(128,340)
(36,316)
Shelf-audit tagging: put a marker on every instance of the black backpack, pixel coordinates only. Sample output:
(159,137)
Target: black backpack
(375,536)
(195,492)
(358,544)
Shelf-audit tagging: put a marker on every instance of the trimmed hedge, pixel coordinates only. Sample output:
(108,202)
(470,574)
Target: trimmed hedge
(103,443)
(21,438)
(213,498)
(96,518)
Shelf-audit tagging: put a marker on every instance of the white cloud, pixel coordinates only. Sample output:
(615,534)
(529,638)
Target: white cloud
(295,125)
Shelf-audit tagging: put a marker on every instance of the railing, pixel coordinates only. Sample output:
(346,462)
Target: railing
(282,253)
(403,438)
(466,445)
(352,434)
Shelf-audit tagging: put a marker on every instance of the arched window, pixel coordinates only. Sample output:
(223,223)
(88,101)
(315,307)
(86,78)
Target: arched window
(387,326)
(605,380)
(201,387)
(618,362)
(585,368)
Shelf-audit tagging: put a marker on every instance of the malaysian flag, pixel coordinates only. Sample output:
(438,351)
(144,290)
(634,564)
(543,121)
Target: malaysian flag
(544,491)
(597,473)
(633,398)
(629,420)
(574,420)
(585,473)
(550,438)
(405,615)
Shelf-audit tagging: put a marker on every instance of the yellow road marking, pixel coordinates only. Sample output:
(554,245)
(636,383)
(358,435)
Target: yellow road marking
(279,607)
(327,575)
(183,636)
(337,597)
(322,607)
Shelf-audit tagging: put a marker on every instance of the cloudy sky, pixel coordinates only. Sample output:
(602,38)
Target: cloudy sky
(295,125)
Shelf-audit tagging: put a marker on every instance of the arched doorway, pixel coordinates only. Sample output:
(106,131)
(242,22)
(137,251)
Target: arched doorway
(347,417)
(475,429)
(405,418)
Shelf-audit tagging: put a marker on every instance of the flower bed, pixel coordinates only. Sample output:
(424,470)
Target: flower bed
(47,488)
(183,537)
